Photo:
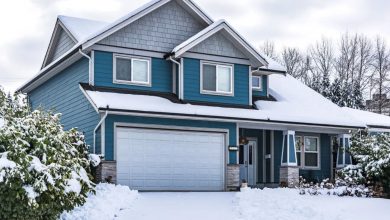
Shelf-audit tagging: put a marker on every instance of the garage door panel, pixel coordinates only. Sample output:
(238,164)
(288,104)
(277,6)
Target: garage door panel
(150,159)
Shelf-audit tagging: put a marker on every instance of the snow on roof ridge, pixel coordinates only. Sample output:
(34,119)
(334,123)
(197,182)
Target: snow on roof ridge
(81,28)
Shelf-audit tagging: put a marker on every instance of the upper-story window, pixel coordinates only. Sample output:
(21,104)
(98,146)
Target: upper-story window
(257,83)
(217,79)
(132,70)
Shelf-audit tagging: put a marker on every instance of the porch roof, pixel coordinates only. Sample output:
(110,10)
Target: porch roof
(296,104)
(372,120)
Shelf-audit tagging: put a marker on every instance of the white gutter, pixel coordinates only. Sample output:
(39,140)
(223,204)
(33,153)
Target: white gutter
(91,66)
(180,73)
(94,132)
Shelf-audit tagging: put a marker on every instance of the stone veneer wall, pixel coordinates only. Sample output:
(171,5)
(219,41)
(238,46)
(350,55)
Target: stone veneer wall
(233,177)
(106,172)
(289,176)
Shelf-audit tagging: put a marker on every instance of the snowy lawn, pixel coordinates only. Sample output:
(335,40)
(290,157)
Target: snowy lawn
(287,204)
(108,201)
(118,202)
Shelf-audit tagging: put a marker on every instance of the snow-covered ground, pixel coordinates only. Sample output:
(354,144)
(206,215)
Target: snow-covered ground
(118,202)
(108,201)
(287,204)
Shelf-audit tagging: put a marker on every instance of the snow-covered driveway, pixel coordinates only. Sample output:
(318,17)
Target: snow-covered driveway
(171,206)
(120,203)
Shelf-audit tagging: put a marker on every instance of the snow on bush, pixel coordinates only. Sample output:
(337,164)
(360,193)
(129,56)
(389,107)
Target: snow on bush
(94,159)
(43,169)
(105,204)
(340,188)
(372,156)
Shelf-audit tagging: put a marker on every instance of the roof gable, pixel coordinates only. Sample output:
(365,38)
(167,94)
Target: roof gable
(61,41)
(69,31)
(121,23)
(160,30)
(219,45)
(221,27)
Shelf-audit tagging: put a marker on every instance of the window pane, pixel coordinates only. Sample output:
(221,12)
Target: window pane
(311,144)
(299,158)
(250,154)
(209,77)
(123,69)
(255,82)
(224,79)
(241,155)
(298,143)
(311,159)
(140,71)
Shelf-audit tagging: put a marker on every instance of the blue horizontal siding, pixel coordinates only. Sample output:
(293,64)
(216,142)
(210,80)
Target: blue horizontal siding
(192,85)
(161,74)
(61,94)
(264,91)
(111,119)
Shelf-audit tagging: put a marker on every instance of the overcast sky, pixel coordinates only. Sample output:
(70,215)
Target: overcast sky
(26,25)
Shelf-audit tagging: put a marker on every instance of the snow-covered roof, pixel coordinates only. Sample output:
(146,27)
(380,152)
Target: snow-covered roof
(81,28)
(212,29)
(296,104)
(370,119)
(299,103)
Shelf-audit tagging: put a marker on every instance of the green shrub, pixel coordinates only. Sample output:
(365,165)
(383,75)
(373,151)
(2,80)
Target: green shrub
(44,170)
(372,156)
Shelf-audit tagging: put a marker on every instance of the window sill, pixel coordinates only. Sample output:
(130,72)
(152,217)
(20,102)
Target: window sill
(121,82)
(217,93)
(257,89)
(310,168)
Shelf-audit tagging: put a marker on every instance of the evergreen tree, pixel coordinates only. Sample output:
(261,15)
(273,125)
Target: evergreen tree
(336,92)
(316,85)
(325,86)
(357,97)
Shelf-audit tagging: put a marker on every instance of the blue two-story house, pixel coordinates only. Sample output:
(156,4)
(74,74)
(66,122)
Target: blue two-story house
(177,101)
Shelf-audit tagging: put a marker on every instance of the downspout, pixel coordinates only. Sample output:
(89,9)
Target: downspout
(96,128)
(180,76)
(90,68)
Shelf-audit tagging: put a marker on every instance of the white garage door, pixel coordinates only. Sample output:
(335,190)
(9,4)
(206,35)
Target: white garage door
(155,159)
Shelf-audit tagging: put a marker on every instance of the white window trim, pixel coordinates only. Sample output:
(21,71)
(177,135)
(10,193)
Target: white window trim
(132,59)
(303,151)
(208,92)
(260,88)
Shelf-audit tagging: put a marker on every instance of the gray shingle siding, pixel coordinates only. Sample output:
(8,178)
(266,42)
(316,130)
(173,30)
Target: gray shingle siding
(62,45)
(161,30)
(219,45)
(63,95)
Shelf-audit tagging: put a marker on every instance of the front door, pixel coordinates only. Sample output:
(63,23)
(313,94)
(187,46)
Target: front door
(247,162)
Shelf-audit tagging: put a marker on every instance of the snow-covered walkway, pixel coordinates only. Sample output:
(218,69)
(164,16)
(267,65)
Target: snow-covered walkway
(171,206)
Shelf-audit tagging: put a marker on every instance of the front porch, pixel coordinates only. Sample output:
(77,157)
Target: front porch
(278,157)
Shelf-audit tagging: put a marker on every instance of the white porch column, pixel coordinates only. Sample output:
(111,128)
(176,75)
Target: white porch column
(343,156)
(289,171)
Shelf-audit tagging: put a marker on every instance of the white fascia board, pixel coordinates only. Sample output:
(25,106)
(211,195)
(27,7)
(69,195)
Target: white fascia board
(123,22)
(211,30)
(50,70)
(202,14)
(53,38)
(89,99)
(135,15)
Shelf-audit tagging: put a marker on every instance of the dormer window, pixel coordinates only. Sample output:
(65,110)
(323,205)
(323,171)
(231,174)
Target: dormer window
(216,79)
(132,70)
(257,83)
